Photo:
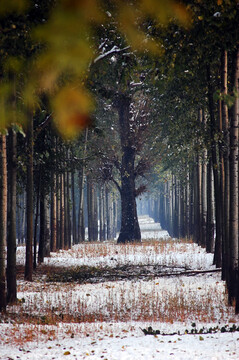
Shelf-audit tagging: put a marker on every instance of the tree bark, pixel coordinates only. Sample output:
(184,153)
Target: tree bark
(210,224)
(11,236)
(62,212)
(42,234)
(81,222)
(29,194)
(53,214)
(74,234)
(204,191)
(215,166)
(233,211)
(225,150)
(197,201)
(36,221)
(130,230)
(3,220)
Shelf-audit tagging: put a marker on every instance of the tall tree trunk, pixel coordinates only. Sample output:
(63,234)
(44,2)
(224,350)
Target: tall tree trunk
(233,232)
(29,194)
(197,201)
(191,202)
(92,210)
(53,213)
(226,145)
(104,212)
(89,209)
(101,212)
(182,207)
(67,240)
(3,220)
(62,212)
(175,207)
(11,237)
(42,233)
(95,209)
(36,221)
(74,234)
(58,211)
(204,191)
(130,230)
(107,201)
(217,194)
(210,224)
(47,241)
(81,222)
(23,219)
(170,207)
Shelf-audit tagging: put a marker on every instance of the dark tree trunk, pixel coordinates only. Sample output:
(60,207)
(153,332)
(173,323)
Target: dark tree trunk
(11,238)
(58,212)
(101,213)
(191,199)
(42,234)
(3,220)
(74,234)
(62,212)
(217,193)
(81,219)
(53,213)
(130,230)
(226,190)
(175,207)
(36,222)
(210,224)
(204,191)
(197,202)
(90,208)
(30,209)
(233,287)
(47,242)
(95,214)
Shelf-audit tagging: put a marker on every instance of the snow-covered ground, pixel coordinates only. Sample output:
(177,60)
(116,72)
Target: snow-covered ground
(104,319)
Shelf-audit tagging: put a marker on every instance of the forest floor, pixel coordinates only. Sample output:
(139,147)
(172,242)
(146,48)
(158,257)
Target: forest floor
(162,299)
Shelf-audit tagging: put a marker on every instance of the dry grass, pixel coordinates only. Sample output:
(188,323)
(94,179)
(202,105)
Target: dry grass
(44,306)
(109,248)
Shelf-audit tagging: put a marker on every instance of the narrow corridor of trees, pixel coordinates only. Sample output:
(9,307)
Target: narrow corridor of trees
(163,130)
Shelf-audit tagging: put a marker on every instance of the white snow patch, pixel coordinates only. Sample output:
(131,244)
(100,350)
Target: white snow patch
(184,300)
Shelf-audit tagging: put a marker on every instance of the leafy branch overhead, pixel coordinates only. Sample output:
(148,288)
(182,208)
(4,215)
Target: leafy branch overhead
(54,47)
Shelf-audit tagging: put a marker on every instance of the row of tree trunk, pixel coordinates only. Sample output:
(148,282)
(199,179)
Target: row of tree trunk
(50,218)
(203,204)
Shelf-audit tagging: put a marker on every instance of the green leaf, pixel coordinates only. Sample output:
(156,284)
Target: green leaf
(18,129)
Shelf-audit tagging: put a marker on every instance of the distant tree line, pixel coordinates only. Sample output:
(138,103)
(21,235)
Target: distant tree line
(165,118)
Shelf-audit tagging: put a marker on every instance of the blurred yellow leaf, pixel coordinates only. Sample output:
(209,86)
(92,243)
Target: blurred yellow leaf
(72,107)
(164,11)
(88,9)
(30,98)
(8,6)
(181,13)
(128,23)
(13,64)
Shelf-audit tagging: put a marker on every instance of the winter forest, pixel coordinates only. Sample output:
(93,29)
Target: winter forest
(118,171)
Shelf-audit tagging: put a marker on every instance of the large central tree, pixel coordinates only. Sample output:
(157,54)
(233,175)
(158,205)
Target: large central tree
(120,86)
(130,230)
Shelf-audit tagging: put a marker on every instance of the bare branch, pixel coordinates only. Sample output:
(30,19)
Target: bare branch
(43,125)
(114,50)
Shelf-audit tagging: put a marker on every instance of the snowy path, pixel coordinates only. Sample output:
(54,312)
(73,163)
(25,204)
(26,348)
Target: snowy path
(150,229)
(170,305)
